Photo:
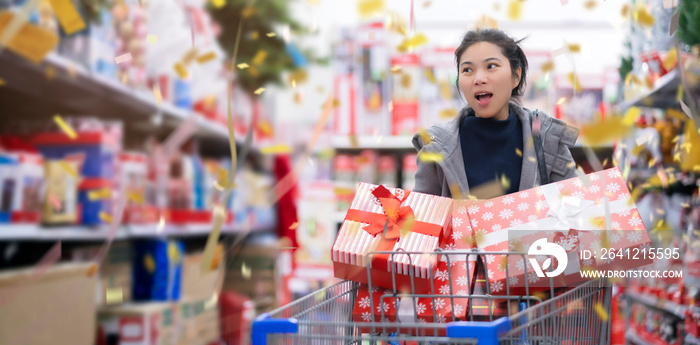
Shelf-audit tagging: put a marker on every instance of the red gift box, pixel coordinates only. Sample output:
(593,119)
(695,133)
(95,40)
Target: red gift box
(391,220)
(514,222)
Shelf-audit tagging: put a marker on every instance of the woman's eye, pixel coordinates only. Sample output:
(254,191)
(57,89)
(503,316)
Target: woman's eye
(467,70)
(492,65)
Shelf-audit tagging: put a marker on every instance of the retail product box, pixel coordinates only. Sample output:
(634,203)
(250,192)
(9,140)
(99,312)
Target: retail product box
(8,166)
(94,48)
(385,212)
(237,314)
(114,275)
(252,272)
(199,285)
(154,323)
(48,305)
(405,91)
(157,270)
(93,202)
(387,170)
(409,169)
(21,182)
(61,203)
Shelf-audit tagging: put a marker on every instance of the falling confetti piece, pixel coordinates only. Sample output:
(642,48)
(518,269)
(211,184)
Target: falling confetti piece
(612,128)
(50,72)
(259,57)
(105,217)
(642,15)
(173,252)
(590,4)
(584,178)
(276,149)
(206,57)
(100,194)
(430,156)
(427,4)
(67,129)
(515,9)
(181,70)
(135,197)
(242,65)
(218,3)
(270,34)
(114,296)
(574,48)
(631,116)
(547,66)
(245,271)
(574,81)
(412,43)
(294,225)
(625,10)
(68,16)
(395,69)
(25,39)
(259,91)
(561,101)
(2,82)
(91,271)
(212,240)
(248,12)
(673,27)
(157,95)
(560,51)
(448,113)
(518,152)
(486,22)
(69,169)
(149,263)
(152,39)
(369,8)
(430,76)
(123,58)
(505,182)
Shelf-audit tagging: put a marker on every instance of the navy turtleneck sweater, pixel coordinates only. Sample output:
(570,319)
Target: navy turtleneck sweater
(488,149)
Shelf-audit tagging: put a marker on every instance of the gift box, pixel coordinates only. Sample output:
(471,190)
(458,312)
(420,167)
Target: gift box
(382,219)
(567,213)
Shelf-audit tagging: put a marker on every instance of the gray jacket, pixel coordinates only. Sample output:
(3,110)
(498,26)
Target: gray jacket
(437,177)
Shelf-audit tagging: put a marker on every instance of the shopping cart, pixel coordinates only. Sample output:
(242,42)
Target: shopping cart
(325,316)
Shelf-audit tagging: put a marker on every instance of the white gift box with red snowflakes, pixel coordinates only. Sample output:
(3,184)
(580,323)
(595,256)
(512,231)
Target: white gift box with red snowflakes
(513,222)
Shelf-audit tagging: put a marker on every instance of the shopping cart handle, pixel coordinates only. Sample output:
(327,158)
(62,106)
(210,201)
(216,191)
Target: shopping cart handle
(486,333)
(264,324)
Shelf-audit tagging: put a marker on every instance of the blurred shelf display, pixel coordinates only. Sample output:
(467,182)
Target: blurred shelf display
(663,95)
(690,339)
(124,232)
(635,339)
(379,142)
(667,306)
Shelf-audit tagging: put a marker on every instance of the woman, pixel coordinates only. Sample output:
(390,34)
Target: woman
(492,138)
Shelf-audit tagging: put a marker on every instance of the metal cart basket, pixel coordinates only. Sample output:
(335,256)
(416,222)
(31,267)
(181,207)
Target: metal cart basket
(576,317)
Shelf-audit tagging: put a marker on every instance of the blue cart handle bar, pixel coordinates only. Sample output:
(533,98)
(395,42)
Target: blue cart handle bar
(486,333)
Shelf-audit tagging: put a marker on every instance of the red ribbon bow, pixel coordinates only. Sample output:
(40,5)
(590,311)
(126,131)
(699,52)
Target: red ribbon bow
(395,216)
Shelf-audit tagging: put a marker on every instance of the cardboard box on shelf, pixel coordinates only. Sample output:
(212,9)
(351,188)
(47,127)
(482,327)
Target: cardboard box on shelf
(252,272)
(198,285)
(237,314)
(155,323)
(56,306)
(114,275)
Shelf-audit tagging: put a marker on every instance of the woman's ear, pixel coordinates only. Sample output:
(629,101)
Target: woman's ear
(516,79)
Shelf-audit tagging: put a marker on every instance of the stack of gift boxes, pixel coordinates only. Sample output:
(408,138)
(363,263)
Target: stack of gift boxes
(398,244)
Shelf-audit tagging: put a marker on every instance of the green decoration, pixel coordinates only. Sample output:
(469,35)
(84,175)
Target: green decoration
(689,22)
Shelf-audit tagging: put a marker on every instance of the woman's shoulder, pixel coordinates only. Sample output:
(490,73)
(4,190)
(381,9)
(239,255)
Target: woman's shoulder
(438,136)
(556,128)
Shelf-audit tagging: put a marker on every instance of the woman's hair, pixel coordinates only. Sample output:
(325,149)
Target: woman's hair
(509,47)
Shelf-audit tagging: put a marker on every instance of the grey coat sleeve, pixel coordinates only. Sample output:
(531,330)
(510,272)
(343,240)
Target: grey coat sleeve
(564,165)
(427,173)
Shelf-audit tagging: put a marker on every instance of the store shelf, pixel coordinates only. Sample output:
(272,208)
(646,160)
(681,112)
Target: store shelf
(635,339)
(82,233)
(663,95)
(373,142)
(73,90)
(667,306)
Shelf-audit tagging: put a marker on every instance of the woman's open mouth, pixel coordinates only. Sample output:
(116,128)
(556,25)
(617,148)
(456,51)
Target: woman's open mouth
(483,98)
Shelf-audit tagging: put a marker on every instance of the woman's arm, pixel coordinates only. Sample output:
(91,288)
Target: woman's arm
(428,179)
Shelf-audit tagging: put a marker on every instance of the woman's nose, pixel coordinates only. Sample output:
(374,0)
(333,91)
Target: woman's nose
(479,78)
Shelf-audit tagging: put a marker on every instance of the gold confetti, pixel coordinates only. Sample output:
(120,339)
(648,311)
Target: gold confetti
(275,149)
(25,39)
(547,66)
(642,15)
(105,217)
(335,103)
(486,22)
(294,225)
(413,42)
(612,128)
(245,271)
(515,9)
(152,39)
(149,263)
(518,152)
(122,58)
(574,48)
(575,82)
(212,240)
(68,16)
(395,69)
(430,156)
(67,129)
(242,65)
(135,197)
(206,57)
(369,8)
(407,226)
(354,142)
(173,252)
(113,296)
(631,116)
(430,75)
(92,270)
(248,12)
(505,182)
(427,4)
(448,113)
(181,70)
(69,169)
(270,34)
(218,3)
(590,4)
(670,59)
(625,10)
(157,95)
(2,82)
(50,72)
(104,193)
(259,57)
(259,90)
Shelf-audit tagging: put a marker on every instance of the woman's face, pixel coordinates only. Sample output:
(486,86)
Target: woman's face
(486,80)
